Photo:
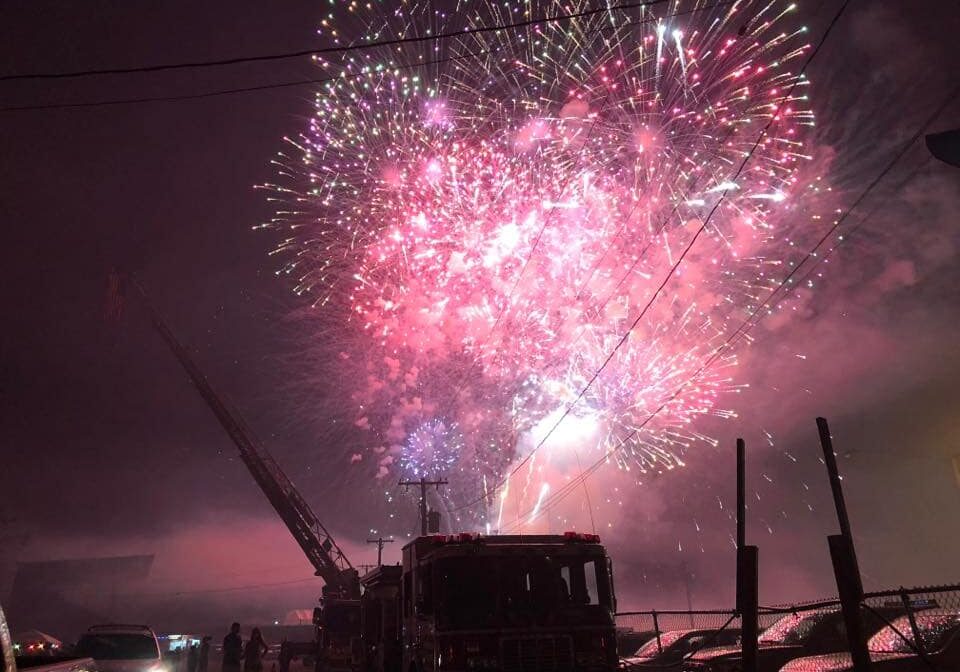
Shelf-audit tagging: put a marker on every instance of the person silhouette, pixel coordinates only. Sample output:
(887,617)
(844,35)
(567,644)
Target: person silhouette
(204,654)
(193,658)
(253,653)
(232,649)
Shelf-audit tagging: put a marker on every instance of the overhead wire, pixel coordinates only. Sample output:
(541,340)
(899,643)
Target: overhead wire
(137,100)
(673,269)
(95,72)
(536,242)
(750,321)
(228,589)
(232,91)
(737,333)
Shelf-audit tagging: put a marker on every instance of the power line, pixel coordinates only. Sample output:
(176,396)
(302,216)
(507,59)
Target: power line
(673,268)
(748,324)
(951,97)
(227,92)
(536,242)
(326,50)
(301,82)
(203,591)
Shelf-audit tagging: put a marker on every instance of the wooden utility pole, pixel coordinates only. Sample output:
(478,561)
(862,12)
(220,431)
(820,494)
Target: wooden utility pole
(844,557)
(423,483)
(379,541)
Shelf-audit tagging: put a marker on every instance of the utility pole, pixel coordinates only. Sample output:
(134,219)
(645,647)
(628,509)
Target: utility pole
(423,483)
(747,571)
(379,541)
(844,557)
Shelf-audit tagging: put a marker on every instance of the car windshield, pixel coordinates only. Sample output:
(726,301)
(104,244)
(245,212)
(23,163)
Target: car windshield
(650,649)
(935,631)
(118,646)
(792,629)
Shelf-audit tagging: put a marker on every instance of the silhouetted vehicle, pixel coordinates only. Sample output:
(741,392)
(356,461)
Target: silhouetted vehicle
(122,648)
(675,645)
(11,662)
(473,602)
(793,636)
(893,649)
(629,640)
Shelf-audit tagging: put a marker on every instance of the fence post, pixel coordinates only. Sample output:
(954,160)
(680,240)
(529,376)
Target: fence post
(917,638)
(748,602)
(844,558)
(656,630)
(748,584)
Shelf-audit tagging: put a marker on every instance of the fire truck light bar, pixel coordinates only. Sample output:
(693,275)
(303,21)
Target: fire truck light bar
(582,536)
(474,537)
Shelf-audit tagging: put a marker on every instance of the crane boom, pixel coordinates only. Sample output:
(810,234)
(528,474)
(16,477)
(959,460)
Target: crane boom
(327,558)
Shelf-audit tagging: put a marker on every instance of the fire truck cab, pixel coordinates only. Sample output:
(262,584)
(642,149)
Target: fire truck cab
(472,602)
(339,647)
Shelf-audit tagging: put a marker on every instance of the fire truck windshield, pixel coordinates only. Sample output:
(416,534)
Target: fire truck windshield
(506,591)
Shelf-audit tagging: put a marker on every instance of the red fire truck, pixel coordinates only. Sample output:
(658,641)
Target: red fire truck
(472,602)
(458,602)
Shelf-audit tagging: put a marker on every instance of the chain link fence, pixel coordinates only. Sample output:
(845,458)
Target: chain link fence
(916,627)
(664,639)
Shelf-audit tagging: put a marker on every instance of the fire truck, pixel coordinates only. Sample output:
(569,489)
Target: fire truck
(473,602)
(337,648)
(457,602)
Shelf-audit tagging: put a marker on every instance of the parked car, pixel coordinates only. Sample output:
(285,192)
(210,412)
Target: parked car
(12,660)
(122,648)
(793,636)
(675,645)
(629,640)
(36,643)
(892,649)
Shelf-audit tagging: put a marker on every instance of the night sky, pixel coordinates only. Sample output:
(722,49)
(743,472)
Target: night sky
(107,449)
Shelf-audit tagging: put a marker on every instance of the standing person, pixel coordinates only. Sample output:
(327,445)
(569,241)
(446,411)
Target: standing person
(232,649)
(193,658)
(204,654)
(253,652)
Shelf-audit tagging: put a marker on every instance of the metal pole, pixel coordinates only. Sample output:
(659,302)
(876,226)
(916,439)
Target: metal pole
(749,602)
(844,558)
(423,507)
(748,581)
(741,517)
(917,638)
(830,459)
(741,494)
(656,629)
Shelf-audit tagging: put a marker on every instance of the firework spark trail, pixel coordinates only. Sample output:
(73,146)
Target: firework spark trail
(512,214)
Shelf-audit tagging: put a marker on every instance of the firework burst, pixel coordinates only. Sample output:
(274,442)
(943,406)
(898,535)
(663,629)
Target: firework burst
(432,451)
(482,218)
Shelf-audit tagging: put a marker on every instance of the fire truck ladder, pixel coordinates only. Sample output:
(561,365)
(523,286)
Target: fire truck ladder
(339,576)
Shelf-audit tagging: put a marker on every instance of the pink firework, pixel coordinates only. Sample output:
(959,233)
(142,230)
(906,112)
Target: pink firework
(481,219)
